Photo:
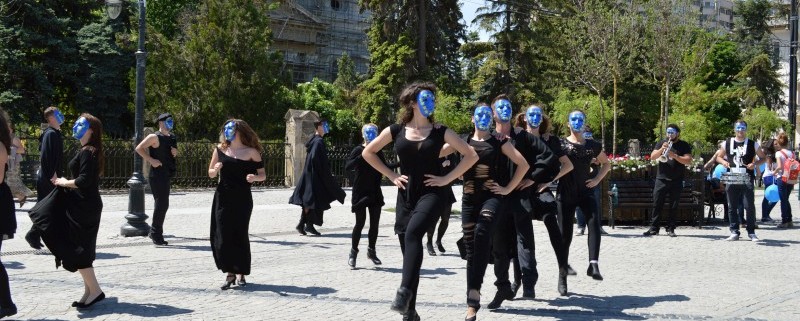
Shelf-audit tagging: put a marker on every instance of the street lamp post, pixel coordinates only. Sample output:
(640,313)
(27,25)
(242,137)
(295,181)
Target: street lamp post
(792,115)
(136,224)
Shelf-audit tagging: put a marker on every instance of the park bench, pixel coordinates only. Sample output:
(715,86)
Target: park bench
(638,194)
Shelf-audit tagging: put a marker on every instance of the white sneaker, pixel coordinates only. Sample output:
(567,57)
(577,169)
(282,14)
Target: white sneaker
(733,237)
(754,238)
(579,231)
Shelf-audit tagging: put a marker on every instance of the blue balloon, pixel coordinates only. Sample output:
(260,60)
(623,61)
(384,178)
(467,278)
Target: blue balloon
(719,170)
(762,167)
(771,193)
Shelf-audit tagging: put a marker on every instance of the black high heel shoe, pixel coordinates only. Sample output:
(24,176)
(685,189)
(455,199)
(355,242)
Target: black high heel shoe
(97,299)
(411,315)
(241,281)
(473,303)
(310,229)
(431,252)
(228,282)
(402,300)
(374,257)
(8,311)
(439,246)
(594,272)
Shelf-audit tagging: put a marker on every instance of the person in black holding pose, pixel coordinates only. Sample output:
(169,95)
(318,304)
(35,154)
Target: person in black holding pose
(159,150)
(51,155)
(421,196)
(575,189)
(669,180)
(8,219)
(316,188)
(514,227)
(367,194)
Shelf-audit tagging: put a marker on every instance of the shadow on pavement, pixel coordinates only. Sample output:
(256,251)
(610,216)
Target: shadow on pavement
(286,290)
(437,271)
(108,256)
(199,248)
(113,306)
(14,265)
(777,243)
(598,307)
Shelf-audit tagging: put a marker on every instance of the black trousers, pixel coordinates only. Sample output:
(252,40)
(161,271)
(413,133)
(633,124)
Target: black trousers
(477,223)
(159,185)
(515,221)
(545,205)
(5,289)
(444,222)
(374,221)
(662,189)
(425,213)
(566,212)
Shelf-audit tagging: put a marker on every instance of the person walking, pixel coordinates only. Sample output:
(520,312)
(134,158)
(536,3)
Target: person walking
(785,185)
(51,154)
(8,219)
(159,149)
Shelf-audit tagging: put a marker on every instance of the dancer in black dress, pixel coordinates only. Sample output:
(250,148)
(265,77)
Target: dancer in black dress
(421,194)
(159,150)
(366,195)
(69,217)
(8,219)
(574,189)
(316,188)
(237,161)
(486,185)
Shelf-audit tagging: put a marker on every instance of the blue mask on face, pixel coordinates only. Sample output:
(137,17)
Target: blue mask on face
(504,110)
(740,127)
(370,133)
(588,135)
(230,131)
(577,120)
(326,128)
(427,102)
(534,116)
(482,118)
(59,116)
(169,123)
(80,128)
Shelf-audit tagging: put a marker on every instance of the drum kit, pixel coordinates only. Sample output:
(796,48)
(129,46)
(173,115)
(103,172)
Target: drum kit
(737,175)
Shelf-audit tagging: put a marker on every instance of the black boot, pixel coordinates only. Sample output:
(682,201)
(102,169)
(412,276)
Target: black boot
(34,239)
(431,252)
(157,238)
(402,300)
(411,315)
(352,260)
(310,229)
(504,293)
(372,256)
(570,271)
(562,281)
(594,272)
(301,225)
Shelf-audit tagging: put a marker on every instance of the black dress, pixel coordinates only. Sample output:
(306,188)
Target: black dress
(316,188)
(367,180)
(69,218)
(230,215)
(8,219)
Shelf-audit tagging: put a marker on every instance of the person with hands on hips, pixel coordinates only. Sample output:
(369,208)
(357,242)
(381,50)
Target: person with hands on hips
(160,149)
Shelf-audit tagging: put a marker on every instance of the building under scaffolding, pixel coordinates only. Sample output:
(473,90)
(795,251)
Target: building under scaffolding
(314,34)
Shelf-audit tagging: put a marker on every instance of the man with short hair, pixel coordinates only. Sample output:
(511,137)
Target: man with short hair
(669,180)
(51,151)
(159,149)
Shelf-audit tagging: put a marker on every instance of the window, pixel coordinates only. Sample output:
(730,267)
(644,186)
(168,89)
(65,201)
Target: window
(336,5)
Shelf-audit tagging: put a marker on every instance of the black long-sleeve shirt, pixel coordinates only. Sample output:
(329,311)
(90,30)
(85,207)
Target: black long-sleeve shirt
(51,151)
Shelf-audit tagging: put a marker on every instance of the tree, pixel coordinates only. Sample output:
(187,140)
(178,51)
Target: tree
(752,27)
(165,16)
(763,123)
(758,84)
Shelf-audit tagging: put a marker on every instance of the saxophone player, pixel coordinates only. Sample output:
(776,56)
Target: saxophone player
(674,154)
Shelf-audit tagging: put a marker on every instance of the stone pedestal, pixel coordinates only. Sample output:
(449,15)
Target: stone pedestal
(299,129)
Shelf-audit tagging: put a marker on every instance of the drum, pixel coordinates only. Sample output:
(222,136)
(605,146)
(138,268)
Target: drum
(735,178)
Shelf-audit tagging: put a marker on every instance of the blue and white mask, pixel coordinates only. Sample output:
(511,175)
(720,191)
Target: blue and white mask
(169,123)
(427,102)
(672,133)
(326,128)
(740,127)
(229,130)
(504,110)
(534,116)
(482,118)
(370,133)
(59,116)
(80,128)
(588,135)
(577,121)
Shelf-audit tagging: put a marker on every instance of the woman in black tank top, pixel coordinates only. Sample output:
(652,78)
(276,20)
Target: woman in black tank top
(418,144)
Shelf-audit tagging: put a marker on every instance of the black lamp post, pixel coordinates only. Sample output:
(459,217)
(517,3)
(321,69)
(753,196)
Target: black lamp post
(136,225)
(792,115)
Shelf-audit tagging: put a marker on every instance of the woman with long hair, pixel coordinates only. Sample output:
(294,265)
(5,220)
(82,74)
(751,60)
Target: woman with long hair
(574,190)
(782,155)
(8,220)
(421,196)
(18,188)
(237,162)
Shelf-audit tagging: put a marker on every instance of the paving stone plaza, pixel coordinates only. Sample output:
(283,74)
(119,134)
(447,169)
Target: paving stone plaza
(696,276)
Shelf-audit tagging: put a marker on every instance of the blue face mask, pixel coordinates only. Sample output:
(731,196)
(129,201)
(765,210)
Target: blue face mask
(534,116)
(577,120)
(740,127)
(169,123)
(230,131)
(672,133)
(80,128)
(504,110)
(588,135)
(326,128)
(370,133)
(482,118)
(59,116)
(427,102)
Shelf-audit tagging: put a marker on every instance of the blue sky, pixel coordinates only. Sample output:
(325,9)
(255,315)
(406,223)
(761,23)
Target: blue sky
(468,8)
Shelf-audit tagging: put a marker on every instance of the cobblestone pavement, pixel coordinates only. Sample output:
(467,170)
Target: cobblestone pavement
(695,276)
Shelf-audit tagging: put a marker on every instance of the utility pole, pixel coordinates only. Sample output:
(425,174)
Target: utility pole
(792,116)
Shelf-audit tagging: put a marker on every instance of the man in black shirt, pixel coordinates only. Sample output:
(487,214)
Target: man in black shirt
(159,149)
(51,151)
(670,177)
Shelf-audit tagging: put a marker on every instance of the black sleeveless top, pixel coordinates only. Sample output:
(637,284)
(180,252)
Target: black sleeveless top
(748,146)
(581,155)
(163,153)
(492,166)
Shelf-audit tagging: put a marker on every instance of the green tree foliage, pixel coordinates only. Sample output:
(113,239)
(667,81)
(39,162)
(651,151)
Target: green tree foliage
(758,84)
(165,15)
(220,68)
(751,27)
(762,123)
(322,97)
(389,72)
(567,101)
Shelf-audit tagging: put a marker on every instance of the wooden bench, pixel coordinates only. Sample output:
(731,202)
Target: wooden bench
(638,194)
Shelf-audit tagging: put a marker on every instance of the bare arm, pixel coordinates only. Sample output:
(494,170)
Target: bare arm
(566,167)
(656,153)
(447,149)
(215,165)
(141,149)
(370,155)
(470,158)
(686,159)
(261,174)
(604,168)
(719,157)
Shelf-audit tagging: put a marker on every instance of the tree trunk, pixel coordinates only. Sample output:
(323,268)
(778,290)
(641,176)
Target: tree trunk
(422,34)
(661,111)
(666,105)
(614,133)
(602,121)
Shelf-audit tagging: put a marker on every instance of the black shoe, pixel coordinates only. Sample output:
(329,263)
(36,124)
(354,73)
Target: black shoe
(300,226)
(594,272)
(439,246)
(650,232)
(570,271)
(241,281)
(34,239)
(351,261)
(562,282)
(671,233)
(310,229)
(97,299)
(228,282)
(501,295)
(515,288)
(473,303)
(431,252)
(374,257)
(401,301)
(411,315)
(158,239)
(8,311)
(528,294)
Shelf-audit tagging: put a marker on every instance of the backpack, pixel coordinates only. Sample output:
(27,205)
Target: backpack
(791,169)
